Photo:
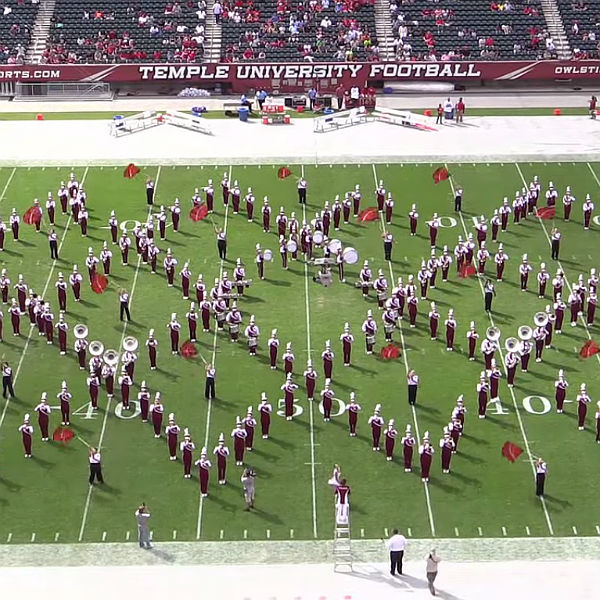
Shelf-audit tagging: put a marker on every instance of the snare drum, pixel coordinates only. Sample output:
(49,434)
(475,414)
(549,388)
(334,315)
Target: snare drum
(335,245)
(370,339)
(318,237)
(268,255)
(350,256)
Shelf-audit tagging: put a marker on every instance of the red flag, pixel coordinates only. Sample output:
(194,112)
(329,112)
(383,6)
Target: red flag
(589,349)
(546,212)
(33,215)
(368,214)
(130,171)
(63,435)
(283,172)
(99,283)
(467,271)
(199,212)
(511,451)
(440,174)
(390,351)
(188,350)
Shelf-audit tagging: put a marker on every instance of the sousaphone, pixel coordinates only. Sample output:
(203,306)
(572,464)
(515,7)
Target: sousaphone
(80,331)
(525,333)
(493,334)
(130,344)
(96,348)
(512,344)
(111,357)
(540,319)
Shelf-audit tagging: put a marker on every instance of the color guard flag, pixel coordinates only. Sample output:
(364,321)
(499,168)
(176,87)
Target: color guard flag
(467,271)
(99,283)
(368,214)
(33,215)
(198,212)
(545,212)
(390,351)
(130,171)
(589,349)
(440,174)
(283,172)
(511,451)
(63,435)
(188,350)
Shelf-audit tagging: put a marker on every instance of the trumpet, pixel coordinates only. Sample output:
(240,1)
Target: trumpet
(493,334)
(111,358)
(525,332)
(540,319)
(96,348)
(80,331)
(512,344)
(130,344)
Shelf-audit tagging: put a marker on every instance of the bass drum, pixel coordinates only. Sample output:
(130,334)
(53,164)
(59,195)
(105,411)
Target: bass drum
(268,254)
(291,246)
(334,246)
(350,256)
(318,237)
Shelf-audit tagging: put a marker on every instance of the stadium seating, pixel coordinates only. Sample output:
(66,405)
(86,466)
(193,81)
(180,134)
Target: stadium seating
(262,31)
(112,31)
(581,19)
(469,29)
(16,22)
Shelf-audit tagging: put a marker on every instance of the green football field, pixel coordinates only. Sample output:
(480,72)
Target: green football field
(47,499)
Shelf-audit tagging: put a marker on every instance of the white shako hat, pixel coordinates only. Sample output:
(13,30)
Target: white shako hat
(408,428)
(263,396)
(186,434)
(221,438)
(63,385)
(377,408)
(171,417)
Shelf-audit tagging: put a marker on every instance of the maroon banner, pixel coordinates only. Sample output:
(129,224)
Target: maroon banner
(285,76)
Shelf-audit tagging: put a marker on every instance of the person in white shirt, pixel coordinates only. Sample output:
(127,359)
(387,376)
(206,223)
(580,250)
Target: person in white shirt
(431,569)
(396,545)
(95,466)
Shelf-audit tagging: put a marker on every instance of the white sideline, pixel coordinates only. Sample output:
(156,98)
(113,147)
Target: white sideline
(404,353)
(108,403)
(511,390)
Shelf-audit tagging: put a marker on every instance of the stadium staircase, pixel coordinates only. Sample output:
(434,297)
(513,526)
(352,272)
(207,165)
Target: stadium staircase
(556,28)
(41,29)
(213,36)
(383,27)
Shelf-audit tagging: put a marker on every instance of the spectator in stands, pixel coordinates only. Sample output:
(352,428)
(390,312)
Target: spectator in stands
(217,11)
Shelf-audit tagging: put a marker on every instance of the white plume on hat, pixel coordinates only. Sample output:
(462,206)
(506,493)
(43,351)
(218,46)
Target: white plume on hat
(238,421)
(63,385)
(249,410)
(203,451)
(171,416)
(186,433)
(221,438)
(263,396)
(378,408)
(44,396)
(273,332)
(26,419)
(408,428)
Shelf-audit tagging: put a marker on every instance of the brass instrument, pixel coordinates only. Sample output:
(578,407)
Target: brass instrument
(525,332)
(80,331)
(130,344)
(96,348)
(540,319)
(493,334)
(111,358)
(512,344)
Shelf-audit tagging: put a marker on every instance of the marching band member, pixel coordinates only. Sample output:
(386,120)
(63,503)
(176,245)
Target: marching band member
(62,327)
(488,348)
(174,327)
(225,183)
(512,360)
(432,266)
(517,206)
(339,261)
(459,411)
(434,226)
(289,388)
(524,269)
(365,278)
(172,432)
(108,373)
(389,208)
(549,326)
(325,217)
(266,215)
(482,395)
(239,274)
(555,236)
(83,220)
(22,290)
(460,253)
(500,259)
(205,310)
(390,434)
(105,257)
(197,198)
(260,262)
(265,409)
(588,209)
(204,465)
(124,245)
(234,319)
(162,223)
(152,345)
(376,422)
(327,396)
(327,355)
(3,236)
(38,221)
(541,468)
(221,451)
(559,312)
(434,320)
(26,431)
(542,278)
(252,333)
(281,221)
(445,261)
(61,290)
(413,303)
(125,382)
(192,318)
(504,211)
(591,308)
(48,316)
(169,264)
(369,328)
(91,263)
(426,452)
(209,190)
(574,305)
(239,441)
(236,195)
(249,425)
(539,335)
(412,380)
(534,194)
(598,423)
(560,385)
(489,293)
(447,449)
(388,240)
(283,252)
(336,210)
(494,376)
(144,401)
(356,198)
(347,207)
(302,187)
(63,196)
(568,201)
(482,229)
(43,410)
(185,275)
(209,383)
(525,352)
(273,344)
(14,221)
(470,249)
(482,257)
(249,200)
(219,308)
(551,195)
(187,448)
(408,444)
(353,409)
(157,409)
(451,325)
(582,401)
(72,186)
(389,318)
(455,429)
(200,288)
(50,208)
(80,348)
(413,218)
(175,211)
(380,286)
(495,223)
(593,281)
(310,380)
(380,195)
(65,403)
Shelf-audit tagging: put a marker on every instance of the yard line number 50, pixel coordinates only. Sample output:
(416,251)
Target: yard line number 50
(298,410)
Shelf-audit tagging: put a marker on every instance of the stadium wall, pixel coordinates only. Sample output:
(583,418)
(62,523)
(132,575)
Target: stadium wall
(291,77)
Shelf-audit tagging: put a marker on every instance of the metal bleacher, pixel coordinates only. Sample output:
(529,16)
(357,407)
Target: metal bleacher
(587,16)
(23,17)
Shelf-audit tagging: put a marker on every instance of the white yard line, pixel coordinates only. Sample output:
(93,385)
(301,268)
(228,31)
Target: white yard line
(31,327)
(582,317)
(511,390)
(310,404)
(108,403)
(213,360)
(593,174)
(407,369)
(8,182)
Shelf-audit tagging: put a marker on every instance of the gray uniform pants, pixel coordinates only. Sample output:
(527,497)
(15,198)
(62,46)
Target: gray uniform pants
(144,536)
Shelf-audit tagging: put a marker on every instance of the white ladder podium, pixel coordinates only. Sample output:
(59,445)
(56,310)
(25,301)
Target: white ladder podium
(342,552)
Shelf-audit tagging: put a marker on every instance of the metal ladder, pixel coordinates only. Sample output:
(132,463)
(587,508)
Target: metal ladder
(342,552)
